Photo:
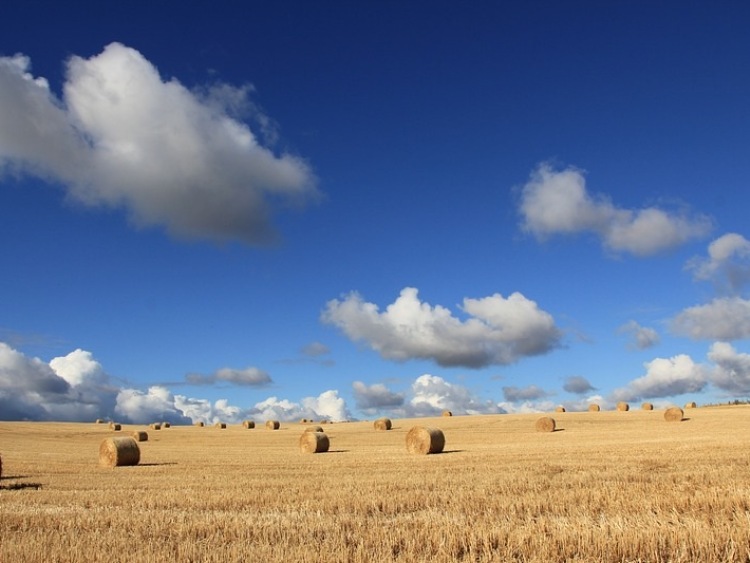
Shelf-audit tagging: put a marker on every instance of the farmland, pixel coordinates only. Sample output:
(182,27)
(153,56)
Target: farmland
(605,486)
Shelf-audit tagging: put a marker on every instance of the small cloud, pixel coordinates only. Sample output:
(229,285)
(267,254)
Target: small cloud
(732,370)
(249,376)
(528,393)
(374,397)
(642,337)
(431,394)
(726,318)
(727,264)
(578,384)
(315,350)
(665,377)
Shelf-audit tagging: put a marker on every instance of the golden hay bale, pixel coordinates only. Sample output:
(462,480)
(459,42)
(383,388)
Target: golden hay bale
(248,424)
(425,440)
(647,406)
(560,409)
(383,424)
(314,442)
(115,452)
(100,421)
(220,425)
(593,407)
(303,421)
(673,414)
(622,406)
(155,426)
(447,413)
(273,424)
(545,424)
(200,424)
(314,429)
(114,426)
(140,436)
(691,405)
(165,424)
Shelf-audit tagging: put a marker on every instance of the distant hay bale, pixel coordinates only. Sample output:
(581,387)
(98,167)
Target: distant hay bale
(383,424)
(220,425)
(303,421)
(165,424)
(140,436)
(273,424)
(116,452)
(691,405)
(100,421)
(545,424)
(647,406)
(200,424)
(425,440)
(447,413)
(622,406)
(155,426)
(593,407)
(248,424)
(673,414)
(314,442)
(560,409)
(1,467)
(314,429)
(114,426)
(324,421)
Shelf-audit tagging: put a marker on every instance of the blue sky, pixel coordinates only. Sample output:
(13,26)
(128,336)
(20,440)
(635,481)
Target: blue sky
(344,210)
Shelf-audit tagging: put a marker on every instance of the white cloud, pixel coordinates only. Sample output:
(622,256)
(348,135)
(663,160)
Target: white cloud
(727,264)
(665,377)
(732,370)
(374,397)
(725,318)
(643,337)
(122,136)
(432,394)
(250,376)
(528,393)
(557,202)
(155,405)
(328,405)
(499,331)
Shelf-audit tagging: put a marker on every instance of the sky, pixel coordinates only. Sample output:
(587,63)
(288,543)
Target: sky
(346,210)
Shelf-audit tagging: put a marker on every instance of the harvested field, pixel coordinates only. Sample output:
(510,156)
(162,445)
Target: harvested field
(605,488)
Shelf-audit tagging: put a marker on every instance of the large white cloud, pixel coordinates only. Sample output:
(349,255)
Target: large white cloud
(732,369)
(499,331)
(557,202)
(725,318)
(431,394)
(328,405)
(375,397)
(727,264)
(665,377)
(155,405)
(122,136)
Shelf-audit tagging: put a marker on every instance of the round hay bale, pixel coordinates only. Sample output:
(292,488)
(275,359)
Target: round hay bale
(140,436)
(647,406)
(100,421)
(248,424)
(221,425)
(560,409)
(114,426)
(155,426)
(593,407)
(314,429)
(673,414)
(116,452)
(691,405)
(447,413)
(200,424)
(303,421)
(383,424)
(165,424)
(425,440)
(324,421)
(273,424)
(622,406)
(314,442)
(545,424)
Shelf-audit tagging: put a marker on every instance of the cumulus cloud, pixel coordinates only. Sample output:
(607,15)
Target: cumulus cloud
(375,397)
(577,384)
(528,393)
(315,350)
(250,376)
(665,377)
(122,136)
(727,264)
(726,318)
(642,337)
(432,394)
(732,369)
(327,405)
(499,331)
(156,404)
(558,202)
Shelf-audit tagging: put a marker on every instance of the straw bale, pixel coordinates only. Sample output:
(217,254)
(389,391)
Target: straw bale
(114,426)
(155,426)
(314,442)
(100,421)
(248,424)
(314,429)
(383,424)
(545,424)
(165,424)
(593,407)
(647,406)
(425,440)
(273,424)
(622,406)
(673,414)
(560,409)
(140,436)
(200,424)
(447,413)
(221,425)
(691,405)
(116,452)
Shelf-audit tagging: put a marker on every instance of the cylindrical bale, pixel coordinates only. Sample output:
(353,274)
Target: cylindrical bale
(99,421)
(273,424)
(200,424)
(560,409)
(116,452)
(593,407)
(647,406)
(314,442)
(673,414)
(383,424)
(140,436)
(165,425)
(221,425)
(303,421)
(248,424)
(691,405)
(314,429)
(155,426)
(114,426)
(622,406)
(425,440)
(447,413)
(545,424)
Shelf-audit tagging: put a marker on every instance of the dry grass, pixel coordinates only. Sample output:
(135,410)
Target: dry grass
(608,488)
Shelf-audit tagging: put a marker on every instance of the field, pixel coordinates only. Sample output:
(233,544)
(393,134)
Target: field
(606,486)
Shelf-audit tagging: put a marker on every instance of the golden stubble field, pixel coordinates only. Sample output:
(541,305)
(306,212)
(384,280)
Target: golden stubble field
(607,486)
